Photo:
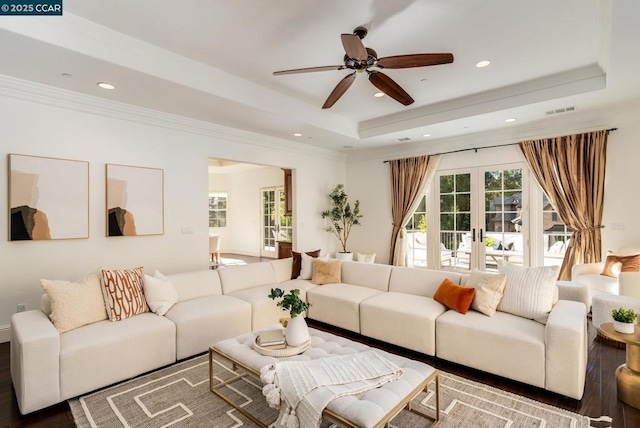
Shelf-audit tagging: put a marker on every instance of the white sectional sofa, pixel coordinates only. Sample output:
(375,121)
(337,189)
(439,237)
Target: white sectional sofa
(388,303)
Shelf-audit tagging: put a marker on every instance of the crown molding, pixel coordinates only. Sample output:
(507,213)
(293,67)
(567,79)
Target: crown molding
(545,128)
(43,94)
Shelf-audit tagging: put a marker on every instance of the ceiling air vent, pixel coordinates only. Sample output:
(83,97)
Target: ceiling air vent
(561,110)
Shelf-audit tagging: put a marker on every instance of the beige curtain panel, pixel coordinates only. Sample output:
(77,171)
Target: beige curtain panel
(409,179)
(571,171)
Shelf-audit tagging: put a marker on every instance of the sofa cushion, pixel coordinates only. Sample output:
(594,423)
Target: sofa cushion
(160,293)
(402,319)
(74,304)
(338,304)
(529,290)
(236,278)
(103,353)
(264,311)
(454,296)
(367,275)
(196,284)
(489,290)
(326,271)
(282,269)
(123,293)
(306,266)
(202,322)
(421,282)
(504,344)
(366,258)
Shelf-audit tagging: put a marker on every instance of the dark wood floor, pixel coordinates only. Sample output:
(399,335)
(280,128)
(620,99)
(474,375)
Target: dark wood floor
(599,398)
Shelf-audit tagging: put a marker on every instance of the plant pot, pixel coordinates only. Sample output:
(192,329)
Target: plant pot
(624,327)
(297,332)
(345,257)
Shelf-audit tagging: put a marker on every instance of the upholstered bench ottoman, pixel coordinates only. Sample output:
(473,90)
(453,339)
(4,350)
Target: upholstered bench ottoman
(373,408)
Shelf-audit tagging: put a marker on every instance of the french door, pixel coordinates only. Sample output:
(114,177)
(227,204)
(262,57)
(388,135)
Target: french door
(481,217)
(275,225)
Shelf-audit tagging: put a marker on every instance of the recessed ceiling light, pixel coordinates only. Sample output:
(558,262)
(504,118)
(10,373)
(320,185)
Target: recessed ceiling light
(347,147)
(512,119)
(378,94)
(483,63)
(105,85)
(66,75)
(297,134)
(426,135)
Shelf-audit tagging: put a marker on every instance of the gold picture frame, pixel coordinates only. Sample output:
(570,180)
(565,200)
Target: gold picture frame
(48,198)
(134,200)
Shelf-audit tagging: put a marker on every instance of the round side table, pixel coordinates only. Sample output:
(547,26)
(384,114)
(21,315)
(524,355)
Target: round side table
(627,375)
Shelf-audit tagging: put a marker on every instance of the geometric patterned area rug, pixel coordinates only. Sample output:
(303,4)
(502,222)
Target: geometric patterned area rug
(179,396)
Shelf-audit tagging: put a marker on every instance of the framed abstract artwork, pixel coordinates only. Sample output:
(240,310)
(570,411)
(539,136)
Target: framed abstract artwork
(48,198)
(135,200)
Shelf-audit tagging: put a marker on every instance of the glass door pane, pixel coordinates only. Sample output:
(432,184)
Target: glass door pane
(503,223)
(275,225)
(455,220)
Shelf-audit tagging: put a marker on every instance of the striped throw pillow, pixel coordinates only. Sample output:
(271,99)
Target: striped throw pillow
(124,293)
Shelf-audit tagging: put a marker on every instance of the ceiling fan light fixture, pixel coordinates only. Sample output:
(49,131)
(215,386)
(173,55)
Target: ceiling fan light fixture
(483,63)
(379,94)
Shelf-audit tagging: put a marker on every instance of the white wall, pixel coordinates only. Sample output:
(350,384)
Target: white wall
(101,132)
(368,180)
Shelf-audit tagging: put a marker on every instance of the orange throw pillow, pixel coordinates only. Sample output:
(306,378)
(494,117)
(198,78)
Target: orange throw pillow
(455,296)
(625,264)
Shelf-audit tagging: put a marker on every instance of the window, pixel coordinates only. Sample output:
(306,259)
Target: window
(217,209)
(555,234)
(417,234)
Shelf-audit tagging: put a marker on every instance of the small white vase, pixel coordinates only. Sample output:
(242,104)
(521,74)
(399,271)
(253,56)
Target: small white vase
(297,332)
(624,327)
(345,257)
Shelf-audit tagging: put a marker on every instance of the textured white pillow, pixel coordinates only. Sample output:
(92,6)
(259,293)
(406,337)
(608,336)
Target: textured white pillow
(306,266)
(366,258)
(529,290)
(489,290)
(160,293)
(74,304)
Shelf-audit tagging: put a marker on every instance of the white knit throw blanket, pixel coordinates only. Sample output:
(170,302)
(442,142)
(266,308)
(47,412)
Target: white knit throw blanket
(305,388)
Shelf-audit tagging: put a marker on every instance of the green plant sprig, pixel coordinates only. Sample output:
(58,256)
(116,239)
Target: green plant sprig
(624,315)
(290,302)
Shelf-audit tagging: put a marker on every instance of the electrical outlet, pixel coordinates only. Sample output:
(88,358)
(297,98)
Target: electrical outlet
(22,307)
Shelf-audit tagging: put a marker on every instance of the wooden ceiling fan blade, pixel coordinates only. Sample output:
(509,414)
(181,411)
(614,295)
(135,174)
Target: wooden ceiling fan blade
(309,69)
(339,90)
(415,60)
(353,47)
(389,87)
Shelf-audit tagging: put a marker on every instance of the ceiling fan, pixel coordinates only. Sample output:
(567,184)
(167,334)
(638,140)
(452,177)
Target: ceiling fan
(360,59)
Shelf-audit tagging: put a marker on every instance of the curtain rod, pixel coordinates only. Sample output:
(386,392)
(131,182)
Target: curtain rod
(486,147)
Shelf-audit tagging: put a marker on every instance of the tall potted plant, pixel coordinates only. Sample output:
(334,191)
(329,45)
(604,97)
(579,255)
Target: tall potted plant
(342,218)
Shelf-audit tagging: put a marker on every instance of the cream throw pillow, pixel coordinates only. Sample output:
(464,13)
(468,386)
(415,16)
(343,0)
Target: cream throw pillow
(366,258)
(74,304)
(306,267)
(529,290)
(326,272)
(489,290)
(160,293)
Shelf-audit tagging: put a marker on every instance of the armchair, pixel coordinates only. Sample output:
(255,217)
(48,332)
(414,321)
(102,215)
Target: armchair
(624,284)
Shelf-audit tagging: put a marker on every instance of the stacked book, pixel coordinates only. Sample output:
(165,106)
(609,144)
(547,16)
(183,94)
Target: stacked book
(272,339)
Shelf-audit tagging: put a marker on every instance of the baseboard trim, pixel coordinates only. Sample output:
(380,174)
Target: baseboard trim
(5,333)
